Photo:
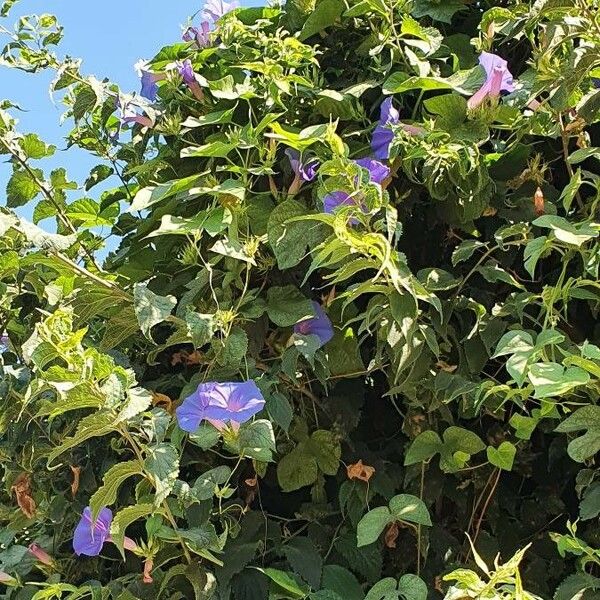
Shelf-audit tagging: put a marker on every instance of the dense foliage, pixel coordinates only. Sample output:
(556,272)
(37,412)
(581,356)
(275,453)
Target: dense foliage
(254,367)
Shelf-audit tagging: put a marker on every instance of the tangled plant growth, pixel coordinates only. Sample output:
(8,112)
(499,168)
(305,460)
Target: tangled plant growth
(345,344)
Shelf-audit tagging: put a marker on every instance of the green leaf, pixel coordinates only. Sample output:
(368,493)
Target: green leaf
(503,456)
(342,582)
(297,469)
(34,147)
(494,274)
(534,250)
(589,507)
(206,436)
(285,582)
(567,232)
(343,354)
(287,305)
(513,342)
(217,149)
(22,188)
(406,507)
(371,526)
(325,14)
(586,418)
(256,440)
(106,494)
(88,213)
(289,240)
(551,379)
(524,426)
(201,327)
(213,221)
(148,196)
(204,486)
(233,249)
(305,560)
(279,409)
(162,465)
(465,250)
(438,11)
(219,117)
(98,174)
(97,424)
(326,449)
(412,587)
(234,348)
(126,517)
(583,154)
(426,445)
(150,308)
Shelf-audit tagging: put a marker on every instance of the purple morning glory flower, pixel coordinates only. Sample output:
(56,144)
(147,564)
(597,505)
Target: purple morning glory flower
(498,79)
(198,35)
(334,200)
(236,402)
(378,172)
(383,135)
(148,80)
(215,9)
(596,82)
(186,70)
(89,536)
(129,115)
(304,170)
(319,325)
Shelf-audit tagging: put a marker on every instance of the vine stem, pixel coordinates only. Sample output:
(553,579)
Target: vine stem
(48,195)
(486,505)
(564,136)
(421,489)
(138,453)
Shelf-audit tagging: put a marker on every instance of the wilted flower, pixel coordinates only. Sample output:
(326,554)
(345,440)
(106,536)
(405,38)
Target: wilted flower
(186,70)
(147,574)
(319,325)
(236,402)
(307,170)
(498,79)
(360,471)
(40,554)
(215,9)
(89,536)
(303,170)
(6,579)
(198,34)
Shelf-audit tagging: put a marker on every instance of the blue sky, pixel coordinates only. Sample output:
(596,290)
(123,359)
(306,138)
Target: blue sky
(110,36)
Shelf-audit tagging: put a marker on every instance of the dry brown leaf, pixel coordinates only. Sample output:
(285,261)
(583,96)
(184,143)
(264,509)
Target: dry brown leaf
(162,401)
(75,483)
(391,535)
(187,358)
(444,366)
(360,471)
(22,490)
(538,202)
